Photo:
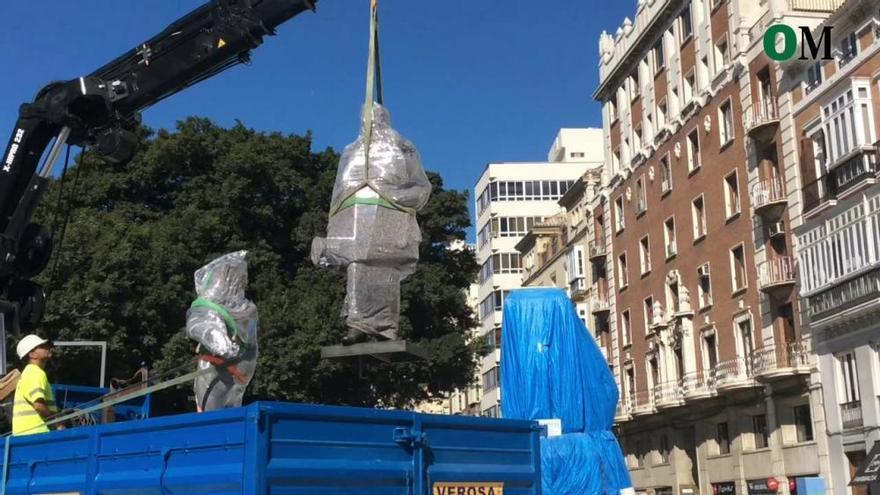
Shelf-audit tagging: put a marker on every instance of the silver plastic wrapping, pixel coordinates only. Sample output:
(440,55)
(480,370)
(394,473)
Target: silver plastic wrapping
(223,282)
(378,246)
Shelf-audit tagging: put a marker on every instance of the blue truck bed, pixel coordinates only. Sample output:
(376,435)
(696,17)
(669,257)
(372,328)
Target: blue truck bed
(280,448)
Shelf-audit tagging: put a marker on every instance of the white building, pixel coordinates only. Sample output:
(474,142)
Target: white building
(510,198)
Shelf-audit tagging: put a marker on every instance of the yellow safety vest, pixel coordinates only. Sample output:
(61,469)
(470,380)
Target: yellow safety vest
(33,385)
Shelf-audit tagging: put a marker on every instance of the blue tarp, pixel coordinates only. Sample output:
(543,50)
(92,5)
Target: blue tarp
(552,369)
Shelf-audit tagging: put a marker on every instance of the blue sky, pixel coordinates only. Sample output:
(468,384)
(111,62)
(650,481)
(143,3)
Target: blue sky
(468,82)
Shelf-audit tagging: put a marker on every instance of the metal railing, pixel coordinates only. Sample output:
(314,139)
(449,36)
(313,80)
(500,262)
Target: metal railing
(760,114)
(851,414)
(772,358)
(732,372)
(667,393)
(643,401)
(577,286)
(600,304)
(698,382)
(768,191)
(777,271)
(860,166)
(816,5)
(598,248)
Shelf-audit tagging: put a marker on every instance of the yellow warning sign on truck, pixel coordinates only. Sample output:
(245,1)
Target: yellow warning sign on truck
(453,488)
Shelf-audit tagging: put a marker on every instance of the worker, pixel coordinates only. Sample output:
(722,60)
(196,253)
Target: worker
(224,323)
(34,400)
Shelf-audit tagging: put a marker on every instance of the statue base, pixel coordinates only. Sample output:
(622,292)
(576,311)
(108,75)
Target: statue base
(389,351)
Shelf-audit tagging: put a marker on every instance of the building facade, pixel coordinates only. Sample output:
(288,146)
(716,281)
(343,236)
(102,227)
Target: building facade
(719,393)
(510,199)
(835,113)
(556,253)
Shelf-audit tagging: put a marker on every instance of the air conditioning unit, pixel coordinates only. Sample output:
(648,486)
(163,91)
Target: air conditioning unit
(671,249)
(665,185)
(777,230)
(703,271)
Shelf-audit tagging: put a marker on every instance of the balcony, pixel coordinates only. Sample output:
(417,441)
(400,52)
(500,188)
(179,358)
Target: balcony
(816,5)
(668,394)
(761,121)
(858,168)
(598,249)
(769,198)
(577,289)
(643,403)
(600,304)
(851,415)
(624,408)
(772,361)
(698,385)
(777,275)
(733,374)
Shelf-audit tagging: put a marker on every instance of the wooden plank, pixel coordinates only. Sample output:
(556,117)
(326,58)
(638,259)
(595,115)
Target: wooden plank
(390,351)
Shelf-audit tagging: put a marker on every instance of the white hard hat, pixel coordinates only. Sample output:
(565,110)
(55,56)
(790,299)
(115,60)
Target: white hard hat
(29,343)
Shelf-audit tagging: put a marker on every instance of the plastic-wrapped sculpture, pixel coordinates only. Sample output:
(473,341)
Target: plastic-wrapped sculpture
(224,323)
(552,369)
(372,232)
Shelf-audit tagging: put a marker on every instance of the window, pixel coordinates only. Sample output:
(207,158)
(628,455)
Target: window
(634,88)
(725,122)
(648,309)
(501,263)
(641,201)
(689,86)
(803,423)
(615,161)
(578,155)
(612,110)
(731,194)
(722,55)
(848,122)
(738,268)
(637,138)
(814,76)
(665,175)
(849,374)
(493,302)
(645,255)
(576,263)
(669,237)
(659,59)
(620,223)
(693,151)
(687,23)
(664,449)
(490,379)
(623,276)
(698,212)
(661,115)
(548,190)
(626,329)
(493,338)
(722,438)
(759,429)
(704,286)
(849,48)
(710,352)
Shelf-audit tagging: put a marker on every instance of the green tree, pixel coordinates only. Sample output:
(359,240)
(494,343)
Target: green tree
(138,231)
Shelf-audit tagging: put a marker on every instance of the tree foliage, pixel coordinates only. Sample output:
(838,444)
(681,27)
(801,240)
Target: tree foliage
(138,231)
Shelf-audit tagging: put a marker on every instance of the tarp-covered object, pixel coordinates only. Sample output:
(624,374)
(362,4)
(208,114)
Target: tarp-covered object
(552,369)
(372,232)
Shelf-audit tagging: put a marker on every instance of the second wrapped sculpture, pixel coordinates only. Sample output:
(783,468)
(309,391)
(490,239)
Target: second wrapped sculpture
(372,232)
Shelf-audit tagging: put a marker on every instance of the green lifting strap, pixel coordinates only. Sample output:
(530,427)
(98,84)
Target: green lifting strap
(231,325)
(373,94)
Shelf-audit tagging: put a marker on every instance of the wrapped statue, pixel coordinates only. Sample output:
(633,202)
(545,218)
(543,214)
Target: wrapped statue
(224,323)
(373,233)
